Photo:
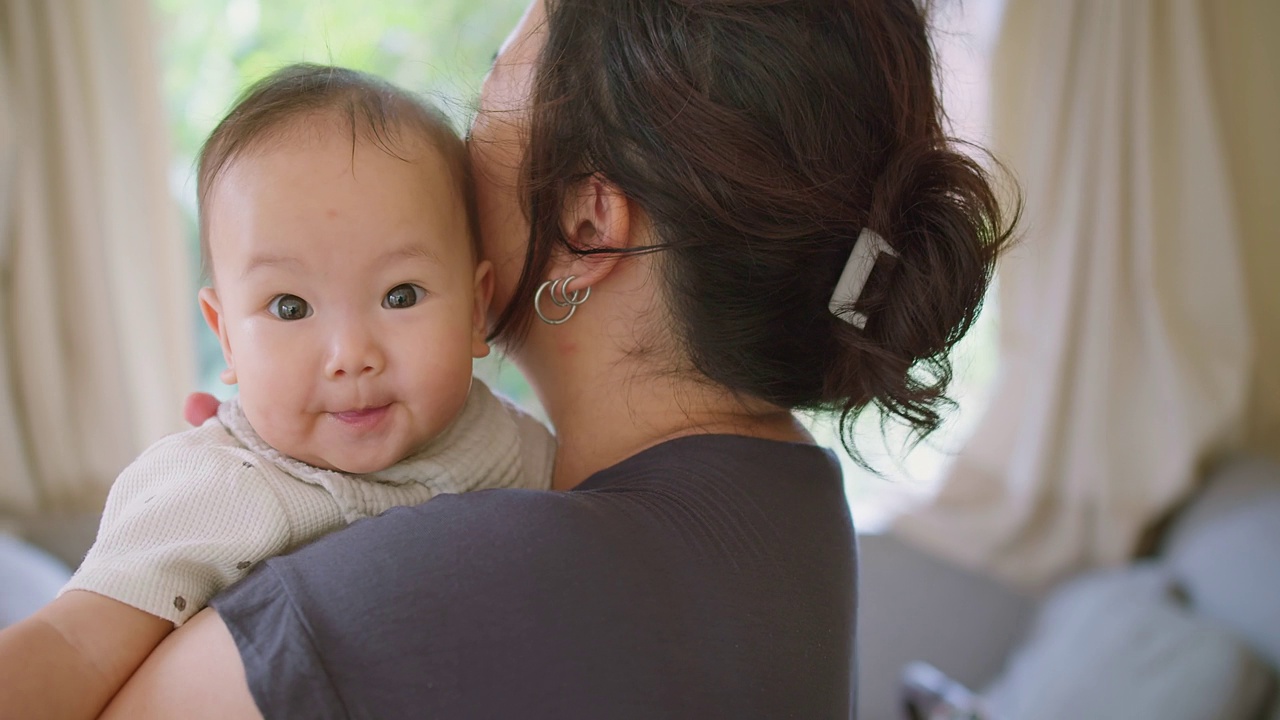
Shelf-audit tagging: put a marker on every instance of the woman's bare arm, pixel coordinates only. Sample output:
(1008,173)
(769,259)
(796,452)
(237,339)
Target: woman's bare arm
(68,659)
(196,673)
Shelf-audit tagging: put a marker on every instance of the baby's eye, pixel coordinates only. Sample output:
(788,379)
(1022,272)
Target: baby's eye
(403,296)
(289,307)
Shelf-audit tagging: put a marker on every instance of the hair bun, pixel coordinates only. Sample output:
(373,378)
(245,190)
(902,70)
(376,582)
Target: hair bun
(937,208)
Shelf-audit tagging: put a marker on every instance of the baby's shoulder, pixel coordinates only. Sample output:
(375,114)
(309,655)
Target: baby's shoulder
(536,444)
(207,446)
(201,463)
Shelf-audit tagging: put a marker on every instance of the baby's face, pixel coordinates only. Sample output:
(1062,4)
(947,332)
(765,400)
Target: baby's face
(346,298)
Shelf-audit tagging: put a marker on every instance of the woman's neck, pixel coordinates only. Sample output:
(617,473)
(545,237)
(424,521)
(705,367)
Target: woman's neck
(608,419)
(613,383)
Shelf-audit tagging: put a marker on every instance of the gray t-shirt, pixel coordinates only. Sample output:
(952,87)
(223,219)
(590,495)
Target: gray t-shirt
(711,576)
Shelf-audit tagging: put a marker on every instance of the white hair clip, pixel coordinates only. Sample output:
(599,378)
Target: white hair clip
(866,250)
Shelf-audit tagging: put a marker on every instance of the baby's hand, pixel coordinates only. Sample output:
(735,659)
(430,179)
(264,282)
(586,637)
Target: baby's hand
(200,407)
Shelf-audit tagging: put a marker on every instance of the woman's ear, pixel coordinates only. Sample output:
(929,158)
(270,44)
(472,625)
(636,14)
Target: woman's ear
(211,308)
(597,215)
(480,309)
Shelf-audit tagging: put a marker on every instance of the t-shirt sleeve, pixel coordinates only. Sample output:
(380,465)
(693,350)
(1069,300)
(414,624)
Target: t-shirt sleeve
(185,520)
(373,620)
(283,665)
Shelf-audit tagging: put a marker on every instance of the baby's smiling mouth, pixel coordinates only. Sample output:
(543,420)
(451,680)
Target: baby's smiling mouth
(362,418)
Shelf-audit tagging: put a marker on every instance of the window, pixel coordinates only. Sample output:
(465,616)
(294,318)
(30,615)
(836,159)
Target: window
(212,49)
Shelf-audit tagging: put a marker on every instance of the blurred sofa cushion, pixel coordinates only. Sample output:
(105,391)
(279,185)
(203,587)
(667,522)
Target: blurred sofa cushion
(1224,548)
(1117,645)
(29,578)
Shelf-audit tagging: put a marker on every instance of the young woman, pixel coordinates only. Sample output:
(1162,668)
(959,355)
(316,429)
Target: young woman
(703,215)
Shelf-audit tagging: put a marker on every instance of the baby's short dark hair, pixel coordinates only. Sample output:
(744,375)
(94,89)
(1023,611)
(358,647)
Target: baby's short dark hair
(374,111)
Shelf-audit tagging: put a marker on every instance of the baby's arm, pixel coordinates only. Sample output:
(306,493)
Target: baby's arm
(186,519)
(70,658)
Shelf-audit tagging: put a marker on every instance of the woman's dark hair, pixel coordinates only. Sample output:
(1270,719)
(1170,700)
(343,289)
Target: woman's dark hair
(760,137)
(373,110)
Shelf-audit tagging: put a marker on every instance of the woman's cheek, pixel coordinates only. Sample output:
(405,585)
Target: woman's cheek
(503,229)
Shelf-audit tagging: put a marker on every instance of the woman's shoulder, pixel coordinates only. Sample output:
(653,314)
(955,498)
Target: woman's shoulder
(690,501)
(675,552)
(744,460)
(690,481)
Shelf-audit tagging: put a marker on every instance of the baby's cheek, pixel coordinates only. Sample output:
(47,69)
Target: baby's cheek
(442,392)
(276,422)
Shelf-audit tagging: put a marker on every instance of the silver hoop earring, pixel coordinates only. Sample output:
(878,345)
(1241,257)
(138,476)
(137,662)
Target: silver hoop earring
(560,299)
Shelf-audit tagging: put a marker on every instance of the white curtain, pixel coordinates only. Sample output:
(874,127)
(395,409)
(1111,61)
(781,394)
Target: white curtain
(1246,81)
(95,297)
(1126,346)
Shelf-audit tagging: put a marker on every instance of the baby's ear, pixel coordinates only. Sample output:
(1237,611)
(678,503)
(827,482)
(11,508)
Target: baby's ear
(480,308)
(211,308)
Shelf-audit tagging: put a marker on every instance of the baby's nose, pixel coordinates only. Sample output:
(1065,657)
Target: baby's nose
(355,352)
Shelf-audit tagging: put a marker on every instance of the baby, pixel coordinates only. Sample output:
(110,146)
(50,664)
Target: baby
(349,300)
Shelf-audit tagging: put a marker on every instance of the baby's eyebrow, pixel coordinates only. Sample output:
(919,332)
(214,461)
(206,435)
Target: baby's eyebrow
(263,260)
(408,252)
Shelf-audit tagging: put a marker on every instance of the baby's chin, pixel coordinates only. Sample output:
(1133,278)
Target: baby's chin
(356,463)
(352,461)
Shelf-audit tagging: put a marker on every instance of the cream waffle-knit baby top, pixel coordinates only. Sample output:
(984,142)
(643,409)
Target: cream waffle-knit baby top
(197,510)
